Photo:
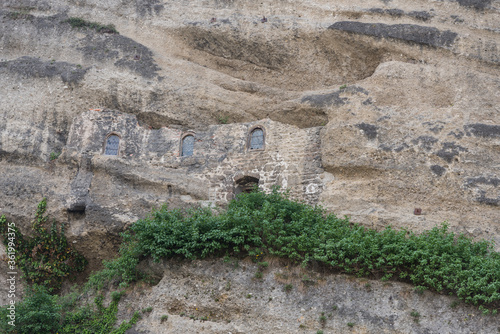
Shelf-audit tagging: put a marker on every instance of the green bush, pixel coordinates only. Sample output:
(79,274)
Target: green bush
(47,257)
(38,313)
(259,224)
(97,320)
(42,313)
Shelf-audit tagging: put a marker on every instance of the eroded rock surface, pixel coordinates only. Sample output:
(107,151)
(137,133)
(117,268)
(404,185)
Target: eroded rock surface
(217,297)
(395,105)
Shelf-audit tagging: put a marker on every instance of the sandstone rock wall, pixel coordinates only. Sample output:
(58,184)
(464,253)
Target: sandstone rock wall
(217,297)
(395,105)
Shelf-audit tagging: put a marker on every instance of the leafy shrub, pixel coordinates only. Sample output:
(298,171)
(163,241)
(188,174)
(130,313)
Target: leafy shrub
(46,258)
(271,224)
(37,313)
(100,320)
(42,313)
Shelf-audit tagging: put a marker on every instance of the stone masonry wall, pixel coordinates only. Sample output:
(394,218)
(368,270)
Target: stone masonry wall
(291,158)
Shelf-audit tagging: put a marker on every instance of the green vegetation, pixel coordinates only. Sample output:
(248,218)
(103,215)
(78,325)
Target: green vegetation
(39,312)
(350,324)
(415,315)
(54,155)
(254,225)
(46,258)
(163,318)
(263,264)
(271,224)
(79,23)
(322,319)
(42,313)
(223,119)
(343,87)
(258,275)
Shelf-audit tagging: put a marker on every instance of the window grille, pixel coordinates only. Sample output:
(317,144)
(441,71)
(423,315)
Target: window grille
(257,139)
(187,146)
(112,144)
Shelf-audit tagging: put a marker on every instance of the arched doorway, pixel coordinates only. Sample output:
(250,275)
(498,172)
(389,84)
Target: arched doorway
(246,184)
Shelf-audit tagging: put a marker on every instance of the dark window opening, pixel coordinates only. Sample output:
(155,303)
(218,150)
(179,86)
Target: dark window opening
(187,146)
(112,144)
(246,184)
(257,139)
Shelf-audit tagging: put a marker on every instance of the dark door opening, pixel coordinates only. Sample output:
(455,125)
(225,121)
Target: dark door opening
(246,184)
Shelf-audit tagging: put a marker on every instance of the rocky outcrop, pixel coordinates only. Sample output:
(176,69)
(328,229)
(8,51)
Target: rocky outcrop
(216,297)
(394,105)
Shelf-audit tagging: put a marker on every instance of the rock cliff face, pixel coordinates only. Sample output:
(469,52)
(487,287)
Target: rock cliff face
(372,109)
(217,297)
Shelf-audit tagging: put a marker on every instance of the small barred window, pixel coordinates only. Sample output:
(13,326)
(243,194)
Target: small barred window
(112,143)
(187,146)
(257,139)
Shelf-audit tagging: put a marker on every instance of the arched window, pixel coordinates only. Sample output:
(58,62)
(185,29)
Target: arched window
(112,144)
(257,139)
(187,146)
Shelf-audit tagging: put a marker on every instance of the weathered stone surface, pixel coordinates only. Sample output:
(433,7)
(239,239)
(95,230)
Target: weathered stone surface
(405,32)
(419,158)
(27,67)
(290,159)
(216,297)
(371,109)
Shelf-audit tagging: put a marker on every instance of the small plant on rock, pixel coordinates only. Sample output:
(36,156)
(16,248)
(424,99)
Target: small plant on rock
(54,155)
(415,315)
(223,119)
(322,319)
(264,264)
